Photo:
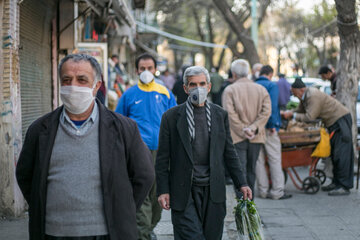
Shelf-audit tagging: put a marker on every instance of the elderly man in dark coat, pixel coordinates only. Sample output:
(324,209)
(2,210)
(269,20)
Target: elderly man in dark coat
(195,145)
(83,169)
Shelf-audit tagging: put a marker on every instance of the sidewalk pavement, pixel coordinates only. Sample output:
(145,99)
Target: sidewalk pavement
(302,217)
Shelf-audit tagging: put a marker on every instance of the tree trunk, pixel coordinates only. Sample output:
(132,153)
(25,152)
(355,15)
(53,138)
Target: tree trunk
(348,68)
(222,55)
(323,59)
(211,37)
(205,50)
(250,51)
(177,61)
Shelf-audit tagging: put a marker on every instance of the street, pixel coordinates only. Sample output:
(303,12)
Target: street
(303,216)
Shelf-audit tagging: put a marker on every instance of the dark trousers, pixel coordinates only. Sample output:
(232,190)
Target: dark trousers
(248,154)
(342,152)
(106,237)
(149,214)
(202,219)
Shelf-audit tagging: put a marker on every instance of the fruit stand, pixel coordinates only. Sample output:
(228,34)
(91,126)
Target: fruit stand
(297,148)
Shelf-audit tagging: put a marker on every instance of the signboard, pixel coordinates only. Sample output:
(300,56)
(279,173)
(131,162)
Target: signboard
(100,52)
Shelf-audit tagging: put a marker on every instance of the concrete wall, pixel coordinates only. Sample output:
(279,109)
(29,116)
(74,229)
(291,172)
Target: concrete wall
(11,200)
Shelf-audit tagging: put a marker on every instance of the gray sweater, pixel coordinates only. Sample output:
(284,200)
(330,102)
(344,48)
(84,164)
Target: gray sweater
(200,149)
(74,204)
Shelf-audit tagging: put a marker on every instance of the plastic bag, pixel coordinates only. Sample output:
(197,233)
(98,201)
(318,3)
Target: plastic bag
(323,149)
(248,222)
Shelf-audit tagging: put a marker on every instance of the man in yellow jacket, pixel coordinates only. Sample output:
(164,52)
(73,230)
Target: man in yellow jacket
(316,104)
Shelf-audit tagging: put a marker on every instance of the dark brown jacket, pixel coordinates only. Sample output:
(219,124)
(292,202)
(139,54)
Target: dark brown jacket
(317,104)
(127,172)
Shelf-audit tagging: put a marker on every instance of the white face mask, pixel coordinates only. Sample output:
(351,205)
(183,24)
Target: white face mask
(76,99)
(146,77)
(257,74)
(198,95)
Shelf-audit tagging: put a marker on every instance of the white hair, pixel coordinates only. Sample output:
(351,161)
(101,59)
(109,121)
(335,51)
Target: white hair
(195,71)
(256,66)
(240,68)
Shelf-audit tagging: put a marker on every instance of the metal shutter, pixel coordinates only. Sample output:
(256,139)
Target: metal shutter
(35,60)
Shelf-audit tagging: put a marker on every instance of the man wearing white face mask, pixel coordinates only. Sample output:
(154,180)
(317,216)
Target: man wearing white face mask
(255,71)
(83,169)
(145,103)
(195,145)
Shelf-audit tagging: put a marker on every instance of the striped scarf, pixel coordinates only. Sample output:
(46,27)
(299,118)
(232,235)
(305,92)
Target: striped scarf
(190,117)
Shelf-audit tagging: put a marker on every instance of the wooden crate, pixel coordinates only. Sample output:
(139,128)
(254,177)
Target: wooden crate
(305,137)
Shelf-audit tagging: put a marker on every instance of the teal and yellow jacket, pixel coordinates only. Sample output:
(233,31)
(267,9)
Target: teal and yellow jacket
(146,103)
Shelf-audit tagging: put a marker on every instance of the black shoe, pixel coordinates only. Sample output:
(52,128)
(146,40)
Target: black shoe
(339,191)
(329,187)
(153,236)
(285,196)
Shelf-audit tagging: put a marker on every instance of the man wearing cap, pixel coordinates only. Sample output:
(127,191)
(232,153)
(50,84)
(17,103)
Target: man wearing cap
(327,74)
(316,104)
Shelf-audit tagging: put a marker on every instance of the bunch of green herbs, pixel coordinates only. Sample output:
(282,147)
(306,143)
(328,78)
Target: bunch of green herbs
(248,220)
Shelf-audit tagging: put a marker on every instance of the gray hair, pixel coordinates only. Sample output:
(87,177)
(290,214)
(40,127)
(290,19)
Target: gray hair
(257,66)
(86,58)
(240,67)
(195,71)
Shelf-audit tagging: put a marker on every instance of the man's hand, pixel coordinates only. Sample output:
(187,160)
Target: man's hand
(250,134)
(271,130)
(164,201)
(247,193)
(287,114)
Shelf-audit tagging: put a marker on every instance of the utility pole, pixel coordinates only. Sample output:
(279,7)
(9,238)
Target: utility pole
(254,23)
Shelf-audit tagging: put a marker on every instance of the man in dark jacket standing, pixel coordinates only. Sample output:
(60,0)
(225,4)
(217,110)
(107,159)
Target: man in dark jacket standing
(83,169)
(327,74)
(195,145)
(284,91)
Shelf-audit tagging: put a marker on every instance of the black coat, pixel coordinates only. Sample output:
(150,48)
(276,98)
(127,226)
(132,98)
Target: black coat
(127,171)
(174,163)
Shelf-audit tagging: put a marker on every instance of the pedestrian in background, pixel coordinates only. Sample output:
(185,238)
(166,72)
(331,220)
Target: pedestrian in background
(327,74)
(178,89)
(272,146)
(168,79)
(194,147)
(145,103)
(83,169)
(249,107)
(284,91)
(255,71)
(216,84)
(337,118)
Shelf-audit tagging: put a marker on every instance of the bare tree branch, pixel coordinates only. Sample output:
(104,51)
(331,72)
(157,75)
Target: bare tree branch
(199,30)
(238,28)
(222,54)
(263,7)
(210,51)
